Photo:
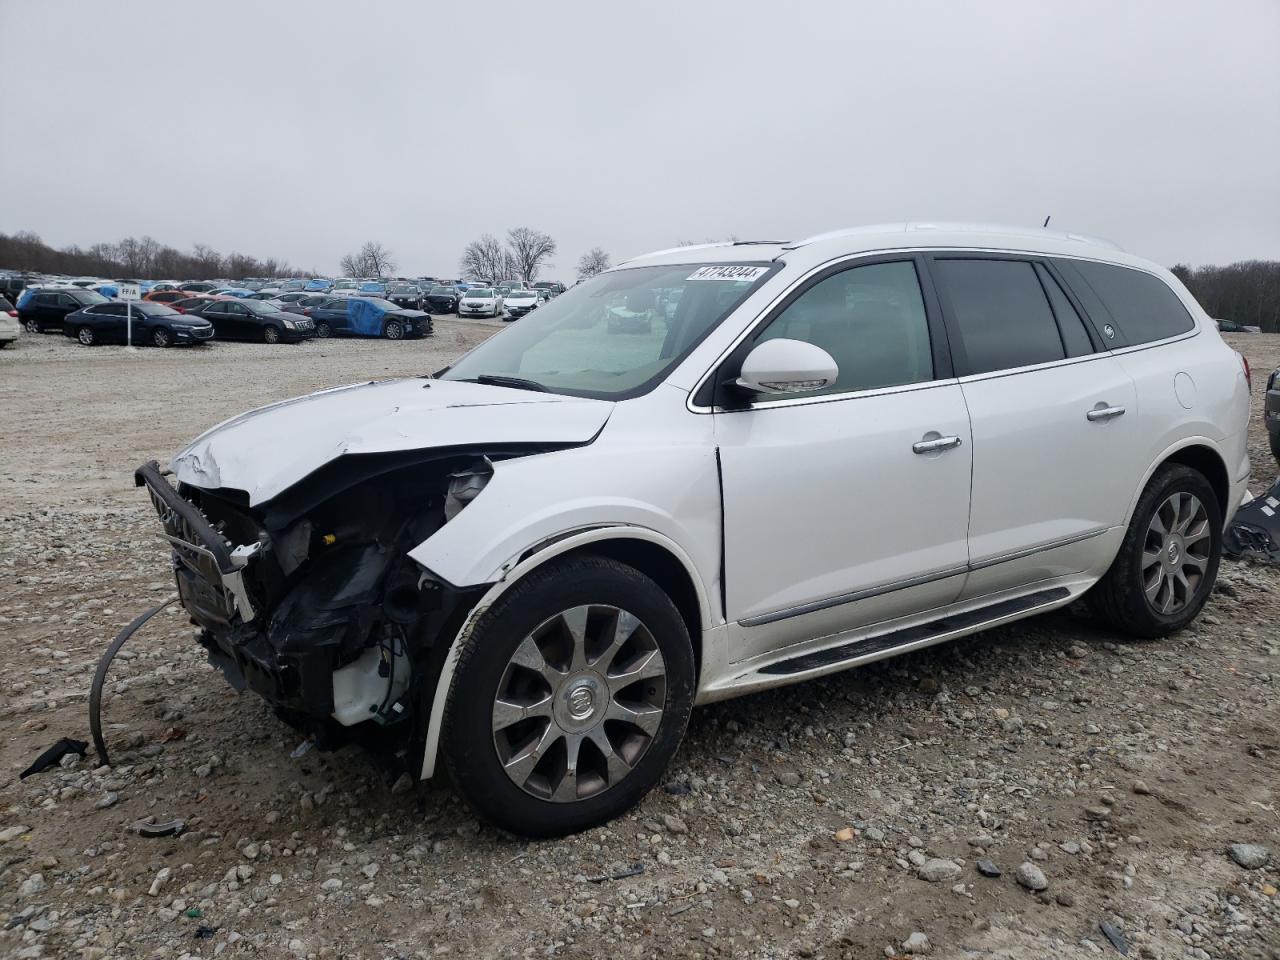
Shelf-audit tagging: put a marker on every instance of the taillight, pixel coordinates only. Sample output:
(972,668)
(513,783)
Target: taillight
(13,313)
(1248,374)
(306,311)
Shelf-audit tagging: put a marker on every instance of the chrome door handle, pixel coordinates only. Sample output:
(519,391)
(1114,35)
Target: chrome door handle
(1103,412)
(938,443)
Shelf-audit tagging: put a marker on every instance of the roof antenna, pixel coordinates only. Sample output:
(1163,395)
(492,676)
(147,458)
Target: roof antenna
(1046,221)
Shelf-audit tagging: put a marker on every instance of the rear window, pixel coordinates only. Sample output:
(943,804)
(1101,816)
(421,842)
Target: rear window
(1141,306)
(1001,314)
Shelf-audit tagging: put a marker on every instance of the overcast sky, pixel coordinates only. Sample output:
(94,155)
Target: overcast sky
(300,129)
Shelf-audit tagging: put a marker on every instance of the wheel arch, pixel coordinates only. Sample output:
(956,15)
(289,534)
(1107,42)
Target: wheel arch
(1209,463)
(653,554)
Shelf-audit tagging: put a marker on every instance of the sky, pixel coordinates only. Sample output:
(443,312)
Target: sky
(301,128)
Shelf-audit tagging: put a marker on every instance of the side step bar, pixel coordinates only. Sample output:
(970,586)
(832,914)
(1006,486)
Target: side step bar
(909,636)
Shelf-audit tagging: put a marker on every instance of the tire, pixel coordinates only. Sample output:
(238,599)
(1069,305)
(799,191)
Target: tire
(394,330)
(323,330)
(1275,445)
(161,337)
(1147,560)
(32,326)
(270,334)
(541,799)
(86,336)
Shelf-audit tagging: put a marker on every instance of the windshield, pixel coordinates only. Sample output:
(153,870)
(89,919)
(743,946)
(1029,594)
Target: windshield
(521,295)
(616,334)
(345,285)
(442,291)
(87,297)
(261,307)
(479,292)
(373,286)
(153,308)
(402,288)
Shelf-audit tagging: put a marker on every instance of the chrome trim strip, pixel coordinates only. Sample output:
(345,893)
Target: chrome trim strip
(1050,545)
(841,599)
(844,598)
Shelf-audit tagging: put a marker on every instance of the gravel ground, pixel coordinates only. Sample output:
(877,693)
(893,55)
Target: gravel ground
(857,816)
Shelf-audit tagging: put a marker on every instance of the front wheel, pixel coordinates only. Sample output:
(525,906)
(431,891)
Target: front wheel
(1168,560)
(32,326)
(569,699)
(162,337)
(86,336)
(394,330)
(323,330)
(270,334)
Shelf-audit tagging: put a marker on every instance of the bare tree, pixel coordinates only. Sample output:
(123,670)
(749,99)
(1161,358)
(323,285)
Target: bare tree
(530,250)
(484,259)
(592,262)
(372,260)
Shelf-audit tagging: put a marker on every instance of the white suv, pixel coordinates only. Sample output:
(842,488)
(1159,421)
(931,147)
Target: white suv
(532,565)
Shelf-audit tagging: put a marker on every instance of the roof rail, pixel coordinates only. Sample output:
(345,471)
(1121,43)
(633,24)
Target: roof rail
(998,229)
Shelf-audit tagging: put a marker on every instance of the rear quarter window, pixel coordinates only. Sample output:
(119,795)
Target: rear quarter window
(1141,306)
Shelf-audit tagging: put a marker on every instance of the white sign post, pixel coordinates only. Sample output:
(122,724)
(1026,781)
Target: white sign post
(129,292)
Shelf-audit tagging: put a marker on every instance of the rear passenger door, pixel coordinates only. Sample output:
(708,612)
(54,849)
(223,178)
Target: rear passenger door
(1053,416)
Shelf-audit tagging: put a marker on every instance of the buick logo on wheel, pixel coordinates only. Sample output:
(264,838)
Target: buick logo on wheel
(580,703)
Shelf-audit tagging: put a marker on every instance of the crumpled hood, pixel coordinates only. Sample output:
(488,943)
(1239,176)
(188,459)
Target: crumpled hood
(266,451)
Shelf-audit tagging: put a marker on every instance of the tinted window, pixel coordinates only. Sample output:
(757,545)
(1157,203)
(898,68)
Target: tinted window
(1141,305)
(215,309)
(870,319)
(1074,336)
(1001,314)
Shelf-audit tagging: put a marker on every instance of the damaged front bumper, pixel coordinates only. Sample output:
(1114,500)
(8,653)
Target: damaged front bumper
(333,628)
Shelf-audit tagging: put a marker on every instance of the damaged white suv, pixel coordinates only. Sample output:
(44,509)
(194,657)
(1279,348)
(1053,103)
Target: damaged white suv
(790,459)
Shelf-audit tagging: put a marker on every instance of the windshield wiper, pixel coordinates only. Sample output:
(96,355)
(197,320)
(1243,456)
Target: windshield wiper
(498,380)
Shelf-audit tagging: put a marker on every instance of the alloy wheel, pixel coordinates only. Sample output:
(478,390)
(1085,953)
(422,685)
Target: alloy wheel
(161,337)
(85,336)
(1175,556)
(579,703)
(271,335)
(323,330)
(394,330)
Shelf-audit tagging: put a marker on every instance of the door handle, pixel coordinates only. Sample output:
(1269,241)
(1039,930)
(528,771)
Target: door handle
(1104,412)
(934,444)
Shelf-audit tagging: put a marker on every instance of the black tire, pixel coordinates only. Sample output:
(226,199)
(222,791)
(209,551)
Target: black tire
(323,330)
(1275,445)
(32,326)
(467,738)
(161,337)
(87,336)
(270,334)
(393,330)
(1119,598)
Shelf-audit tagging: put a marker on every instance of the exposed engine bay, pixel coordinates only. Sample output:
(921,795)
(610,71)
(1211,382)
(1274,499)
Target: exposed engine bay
(310,599)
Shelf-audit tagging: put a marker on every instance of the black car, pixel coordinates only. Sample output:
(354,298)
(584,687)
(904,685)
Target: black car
(441,300)
(1271,416)
(11,286)
(368,317)
(153,323)
(44,310)
(254,320)
(406,296)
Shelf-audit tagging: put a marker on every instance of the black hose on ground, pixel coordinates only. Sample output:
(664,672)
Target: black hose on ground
(100,676)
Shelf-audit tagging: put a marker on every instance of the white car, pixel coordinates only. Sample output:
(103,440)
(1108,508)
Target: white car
(519,302)
(531,566)
(480,302)
(10,327)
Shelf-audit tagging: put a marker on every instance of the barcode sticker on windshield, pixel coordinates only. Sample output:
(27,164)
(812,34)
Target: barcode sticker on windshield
(729,272)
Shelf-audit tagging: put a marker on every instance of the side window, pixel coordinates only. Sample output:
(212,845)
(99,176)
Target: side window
(45,299)
(871,319)
(1074,336)
(215,310)
(236,310)
(1001,314)
(71,303)
(1141,305)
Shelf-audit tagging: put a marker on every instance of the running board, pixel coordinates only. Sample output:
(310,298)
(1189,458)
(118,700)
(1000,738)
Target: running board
(911,636)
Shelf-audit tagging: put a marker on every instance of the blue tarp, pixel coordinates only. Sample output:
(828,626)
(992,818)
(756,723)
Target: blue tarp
(108,290)
(373,288)
(365,317)
(321,285)
(25,297)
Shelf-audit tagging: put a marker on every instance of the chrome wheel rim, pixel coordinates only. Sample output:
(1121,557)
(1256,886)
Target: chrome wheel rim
(271,335)
(160,338)
(86,336)
(322,330)
(394,331)
(579,703)
(1175,556)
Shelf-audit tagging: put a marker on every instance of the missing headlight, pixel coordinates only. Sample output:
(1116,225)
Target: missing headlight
(465,486)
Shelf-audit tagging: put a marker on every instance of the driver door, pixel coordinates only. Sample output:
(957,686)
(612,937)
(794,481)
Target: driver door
(839,510)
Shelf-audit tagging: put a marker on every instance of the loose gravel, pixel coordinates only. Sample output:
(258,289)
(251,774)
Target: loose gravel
(1042,790)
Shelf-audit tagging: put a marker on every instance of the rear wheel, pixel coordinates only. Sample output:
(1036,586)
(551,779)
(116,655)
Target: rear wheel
(86,336)
(161,337)
(270,334)
(1168,560)
(394,330)
(32,326)
(569,699)
(323,330)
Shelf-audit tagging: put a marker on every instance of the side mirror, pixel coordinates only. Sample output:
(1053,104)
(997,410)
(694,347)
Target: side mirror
(786,366)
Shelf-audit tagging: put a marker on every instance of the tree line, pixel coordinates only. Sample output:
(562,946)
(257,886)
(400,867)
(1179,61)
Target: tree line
(1247,292)
(141,258)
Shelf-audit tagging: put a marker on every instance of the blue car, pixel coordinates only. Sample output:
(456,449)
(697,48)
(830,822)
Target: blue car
(367,317)
(153,323)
